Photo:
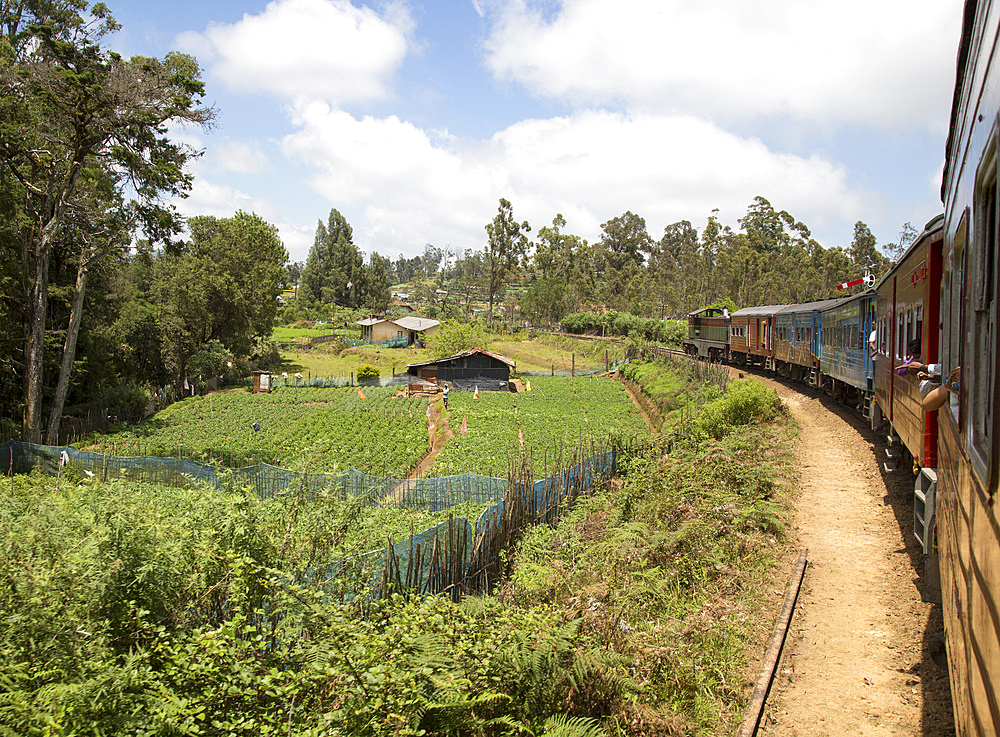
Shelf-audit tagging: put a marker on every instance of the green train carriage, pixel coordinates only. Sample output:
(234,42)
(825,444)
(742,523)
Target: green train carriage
(708,334)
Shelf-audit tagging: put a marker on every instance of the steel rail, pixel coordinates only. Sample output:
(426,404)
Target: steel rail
(755,709)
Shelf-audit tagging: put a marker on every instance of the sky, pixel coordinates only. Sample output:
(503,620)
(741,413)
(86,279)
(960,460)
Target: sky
(413,119)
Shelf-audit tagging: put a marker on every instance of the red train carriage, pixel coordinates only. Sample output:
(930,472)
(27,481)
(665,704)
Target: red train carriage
(751,339)
(968,524)
(907,318)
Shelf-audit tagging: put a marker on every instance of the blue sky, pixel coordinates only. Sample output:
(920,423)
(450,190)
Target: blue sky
(414,118)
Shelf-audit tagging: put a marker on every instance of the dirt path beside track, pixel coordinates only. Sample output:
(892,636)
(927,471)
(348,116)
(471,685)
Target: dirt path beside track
(858,658)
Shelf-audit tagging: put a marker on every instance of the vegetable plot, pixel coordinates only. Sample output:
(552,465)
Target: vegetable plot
(301,429)
(557,412)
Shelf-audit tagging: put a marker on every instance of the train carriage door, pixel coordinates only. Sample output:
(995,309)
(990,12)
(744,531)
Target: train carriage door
(869,325)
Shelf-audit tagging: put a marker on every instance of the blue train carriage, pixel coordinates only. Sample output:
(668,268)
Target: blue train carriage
(708,334)
(796,341)
(845,356)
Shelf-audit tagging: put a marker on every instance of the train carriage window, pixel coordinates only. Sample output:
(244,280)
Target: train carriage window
(918,327)
(953,314)
(983,329)
(900,335)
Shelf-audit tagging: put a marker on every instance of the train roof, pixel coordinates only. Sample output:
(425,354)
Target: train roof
(763,310)
(964,51)
(844,300)
(815,306)
(934,226)
(717,311)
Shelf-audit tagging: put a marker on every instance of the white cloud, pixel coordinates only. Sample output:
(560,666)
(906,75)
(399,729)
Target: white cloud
(886,63)
(241,157)
(400,187)
(327,49)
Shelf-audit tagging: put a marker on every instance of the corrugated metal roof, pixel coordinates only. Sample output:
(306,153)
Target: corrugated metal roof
(815,306)
(416,323)
(756,311)
(464,354)
(409,322)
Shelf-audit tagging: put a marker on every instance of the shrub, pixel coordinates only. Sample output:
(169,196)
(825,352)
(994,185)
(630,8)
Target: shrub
(126,402)
(744,402)
(368,372)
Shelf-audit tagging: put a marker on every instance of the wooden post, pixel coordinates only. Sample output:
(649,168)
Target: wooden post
(574,365)
(607,365)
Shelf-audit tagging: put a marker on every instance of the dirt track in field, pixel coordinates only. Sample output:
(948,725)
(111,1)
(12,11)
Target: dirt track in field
(860,654)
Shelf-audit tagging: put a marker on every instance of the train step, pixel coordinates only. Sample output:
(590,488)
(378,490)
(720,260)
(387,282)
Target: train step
(889,467)
(892,453)
(892,440)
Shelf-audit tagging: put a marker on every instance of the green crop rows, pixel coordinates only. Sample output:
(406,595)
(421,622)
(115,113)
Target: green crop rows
(304,429)
(557,413)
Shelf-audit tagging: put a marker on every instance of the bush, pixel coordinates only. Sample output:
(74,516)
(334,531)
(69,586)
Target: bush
(744,402)
(125,402)
(368,372)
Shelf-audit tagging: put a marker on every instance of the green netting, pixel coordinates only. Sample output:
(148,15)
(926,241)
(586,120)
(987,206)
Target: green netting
(454,556)
(263,480)
(577,372)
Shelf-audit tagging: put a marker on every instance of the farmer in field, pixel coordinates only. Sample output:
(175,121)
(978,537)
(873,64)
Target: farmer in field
(446,396)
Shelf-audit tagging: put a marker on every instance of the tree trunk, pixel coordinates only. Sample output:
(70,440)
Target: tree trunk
(69,353)
(32,426)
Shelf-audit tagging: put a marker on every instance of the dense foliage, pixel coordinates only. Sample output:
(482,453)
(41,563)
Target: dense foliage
(624,325)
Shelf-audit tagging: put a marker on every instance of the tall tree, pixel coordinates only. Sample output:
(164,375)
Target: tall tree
(625,239)
(333,268)
(66,103)
(506,244)
(222,286)
(377,284)
(865,258)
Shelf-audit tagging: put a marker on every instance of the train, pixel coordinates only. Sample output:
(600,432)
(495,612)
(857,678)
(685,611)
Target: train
(938,304)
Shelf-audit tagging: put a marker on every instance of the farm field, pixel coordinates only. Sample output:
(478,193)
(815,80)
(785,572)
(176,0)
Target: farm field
(556,413)
(315,430)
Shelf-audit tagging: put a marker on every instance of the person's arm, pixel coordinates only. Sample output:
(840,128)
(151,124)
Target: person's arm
(935,399)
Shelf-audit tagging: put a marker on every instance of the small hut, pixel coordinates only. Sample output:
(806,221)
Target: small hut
(465,371)
(261,382)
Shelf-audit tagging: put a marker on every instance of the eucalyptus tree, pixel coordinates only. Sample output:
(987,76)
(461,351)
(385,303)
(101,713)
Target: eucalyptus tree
(506,244)
(551,269)
(67,105)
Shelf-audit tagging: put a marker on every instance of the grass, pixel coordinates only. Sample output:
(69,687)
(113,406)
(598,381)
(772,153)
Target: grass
(544,353)
(672,568)
(326,361)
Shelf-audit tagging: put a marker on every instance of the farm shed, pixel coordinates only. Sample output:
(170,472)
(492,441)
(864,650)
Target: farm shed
(378,329)
(466,370)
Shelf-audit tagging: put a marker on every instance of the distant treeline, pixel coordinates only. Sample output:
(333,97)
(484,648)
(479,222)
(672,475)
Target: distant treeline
(624,325)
